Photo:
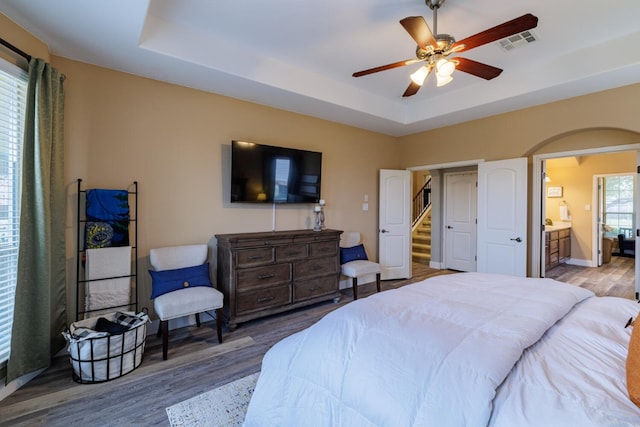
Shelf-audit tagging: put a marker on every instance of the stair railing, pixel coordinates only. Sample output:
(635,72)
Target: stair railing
(421,201)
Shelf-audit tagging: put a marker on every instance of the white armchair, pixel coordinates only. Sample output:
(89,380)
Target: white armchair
(355,262)
(182,296)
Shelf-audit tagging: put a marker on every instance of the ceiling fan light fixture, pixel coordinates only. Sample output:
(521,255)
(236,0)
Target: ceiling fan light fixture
(445,67)
(420,75)
(443,80)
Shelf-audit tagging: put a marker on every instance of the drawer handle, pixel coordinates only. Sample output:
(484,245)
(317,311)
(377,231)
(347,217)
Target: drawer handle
(266,299)
(266,276)
(254,257)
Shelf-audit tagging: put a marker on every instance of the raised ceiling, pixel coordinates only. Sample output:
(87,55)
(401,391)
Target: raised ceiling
(300,55)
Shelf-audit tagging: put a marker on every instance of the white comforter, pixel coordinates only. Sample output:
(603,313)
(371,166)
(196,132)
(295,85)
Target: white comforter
(575,375)
(428,354)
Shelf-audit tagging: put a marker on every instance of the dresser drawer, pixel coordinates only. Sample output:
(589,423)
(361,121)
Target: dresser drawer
(271,240)
(315,267)
(325,248)
(254,256)
(291,252)
(263,298)
(262,276)
(315,287)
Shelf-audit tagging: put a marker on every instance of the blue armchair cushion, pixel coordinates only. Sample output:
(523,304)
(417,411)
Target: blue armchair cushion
(352,254)
(166,281)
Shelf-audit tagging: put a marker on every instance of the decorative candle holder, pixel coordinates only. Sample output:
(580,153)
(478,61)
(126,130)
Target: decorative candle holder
(319,216)
(317,226)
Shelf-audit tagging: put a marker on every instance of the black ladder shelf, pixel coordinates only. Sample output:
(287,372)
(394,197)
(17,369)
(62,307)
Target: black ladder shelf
(81,252)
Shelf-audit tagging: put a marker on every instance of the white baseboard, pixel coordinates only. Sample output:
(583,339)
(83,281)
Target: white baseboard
(346,283)
(437,265)
(180,322)
(17,383)
(581,262)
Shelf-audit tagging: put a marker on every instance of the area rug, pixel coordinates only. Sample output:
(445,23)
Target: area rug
(223,406)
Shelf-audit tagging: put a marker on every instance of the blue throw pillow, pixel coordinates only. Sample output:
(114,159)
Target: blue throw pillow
(166,281)
(352,254)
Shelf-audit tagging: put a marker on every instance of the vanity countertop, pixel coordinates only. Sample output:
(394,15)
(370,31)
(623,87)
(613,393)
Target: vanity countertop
(548,228)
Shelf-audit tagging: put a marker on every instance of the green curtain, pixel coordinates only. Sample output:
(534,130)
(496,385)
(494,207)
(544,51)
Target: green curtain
(40,303)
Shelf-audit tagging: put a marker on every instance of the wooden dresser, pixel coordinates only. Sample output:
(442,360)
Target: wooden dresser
(270,272)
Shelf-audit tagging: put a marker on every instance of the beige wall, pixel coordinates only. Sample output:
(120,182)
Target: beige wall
(21,39)
(531,131)
(576,177)
(175,142)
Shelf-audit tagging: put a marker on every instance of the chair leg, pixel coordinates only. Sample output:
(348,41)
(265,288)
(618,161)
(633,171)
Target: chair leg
(159,333)
(378,281)
(219,324)
(198,320)
(164,325)
(354,284)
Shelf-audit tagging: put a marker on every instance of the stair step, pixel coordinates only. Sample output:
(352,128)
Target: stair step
(424,258)
(420,247)
(421,239)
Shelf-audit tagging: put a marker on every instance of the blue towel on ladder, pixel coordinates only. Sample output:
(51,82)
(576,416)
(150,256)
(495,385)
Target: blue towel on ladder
(107,213)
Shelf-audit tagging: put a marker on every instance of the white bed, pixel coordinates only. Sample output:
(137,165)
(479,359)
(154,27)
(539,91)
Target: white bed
(465,349)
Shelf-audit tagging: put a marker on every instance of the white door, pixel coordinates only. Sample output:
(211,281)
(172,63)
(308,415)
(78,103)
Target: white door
(460,202)
(636,207)
(600,218)
(394,227)
(502,217)
(543,219)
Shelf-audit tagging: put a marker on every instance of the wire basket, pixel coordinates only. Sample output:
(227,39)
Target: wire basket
(100,356)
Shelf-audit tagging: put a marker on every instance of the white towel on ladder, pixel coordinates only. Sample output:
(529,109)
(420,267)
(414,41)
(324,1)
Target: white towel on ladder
(105,264)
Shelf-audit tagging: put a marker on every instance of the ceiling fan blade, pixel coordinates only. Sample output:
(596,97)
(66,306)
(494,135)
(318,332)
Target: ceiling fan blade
(523,23)
(385,67)
(417,28)
(412,89)
(479,69)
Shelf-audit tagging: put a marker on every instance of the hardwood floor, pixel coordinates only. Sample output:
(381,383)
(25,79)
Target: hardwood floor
(197,363)
(616,278)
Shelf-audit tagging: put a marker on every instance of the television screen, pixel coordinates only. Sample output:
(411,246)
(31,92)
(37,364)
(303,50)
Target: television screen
(268,174)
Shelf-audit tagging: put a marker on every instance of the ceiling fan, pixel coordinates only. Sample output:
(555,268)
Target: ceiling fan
(433,49)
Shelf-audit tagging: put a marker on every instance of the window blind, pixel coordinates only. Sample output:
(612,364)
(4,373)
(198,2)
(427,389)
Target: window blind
(13,88)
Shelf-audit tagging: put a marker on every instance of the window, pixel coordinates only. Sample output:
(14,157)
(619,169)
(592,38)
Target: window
(13,88)
(618,203)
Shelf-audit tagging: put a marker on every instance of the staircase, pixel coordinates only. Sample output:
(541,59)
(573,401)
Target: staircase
(421,240)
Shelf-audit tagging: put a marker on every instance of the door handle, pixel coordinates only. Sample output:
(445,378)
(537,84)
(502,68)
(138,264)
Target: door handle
(384,231)
(517,239)
(449,227)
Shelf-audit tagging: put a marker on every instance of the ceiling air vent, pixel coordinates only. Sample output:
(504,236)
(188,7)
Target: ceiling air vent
(517,40)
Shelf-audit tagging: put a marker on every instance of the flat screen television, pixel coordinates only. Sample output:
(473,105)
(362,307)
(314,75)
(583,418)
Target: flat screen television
(268,174)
